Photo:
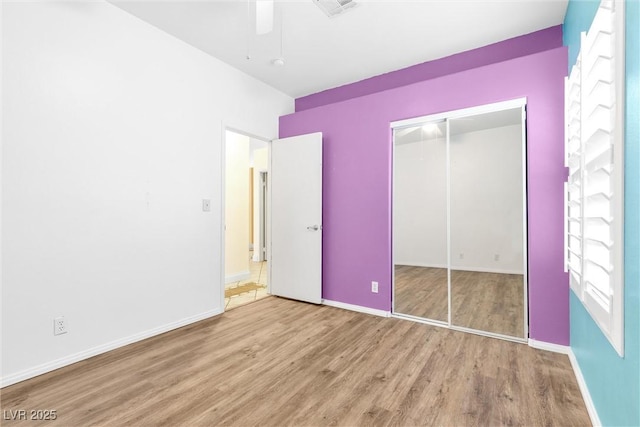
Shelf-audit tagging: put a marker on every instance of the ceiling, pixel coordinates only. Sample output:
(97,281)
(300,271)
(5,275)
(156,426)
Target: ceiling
(320,53)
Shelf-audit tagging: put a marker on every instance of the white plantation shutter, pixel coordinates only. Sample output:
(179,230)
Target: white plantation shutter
(593,154)
(573,160)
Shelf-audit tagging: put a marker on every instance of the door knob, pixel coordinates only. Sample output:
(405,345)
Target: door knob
(313,228)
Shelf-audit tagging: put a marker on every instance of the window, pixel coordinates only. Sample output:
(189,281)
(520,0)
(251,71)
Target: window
(594,155)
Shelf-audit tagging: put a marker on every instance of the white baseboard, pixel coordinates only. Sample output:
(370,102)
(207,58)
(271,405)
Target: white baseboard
(586,396)
(457,268)
(420,264)
(485,270)
(243,275)
(358,308)
(82,355)
(556,348)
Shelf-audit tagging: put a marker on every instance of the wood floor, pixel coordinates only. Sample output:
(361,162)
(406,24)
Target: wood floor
(421,292)
(490,302)
(484,301)
(277,362)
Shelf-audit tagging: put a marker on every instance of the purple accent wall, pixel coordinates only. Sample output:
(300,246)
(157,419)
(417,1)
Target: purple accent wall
(357,178)
(528,44)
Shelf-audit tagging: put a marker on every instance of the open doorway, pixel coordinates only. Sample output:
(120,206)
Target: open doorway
(246,181)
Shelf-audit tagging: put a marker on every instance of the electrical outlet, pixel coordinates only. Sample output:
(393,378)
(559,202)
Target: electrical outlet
(59,325)
(206,205)
(496,257)
(374,287)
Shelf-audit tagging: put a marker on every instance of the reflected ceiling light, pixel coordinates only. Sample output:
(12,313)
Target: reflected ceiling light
(430,127)
(334,7)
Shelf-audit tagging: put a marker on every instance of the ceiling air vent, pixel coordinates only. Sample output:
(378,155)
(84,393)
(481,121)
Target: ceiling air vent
(334,7)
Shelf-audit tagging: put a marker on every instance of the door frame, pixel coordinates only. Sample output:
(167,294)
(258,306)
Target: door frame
(223,189)
(263,206)
(447,116)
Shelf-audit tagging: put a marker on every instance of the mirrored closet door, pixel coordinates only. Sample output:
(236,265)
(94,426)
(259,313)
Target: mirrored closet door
(420,222)
(459,223)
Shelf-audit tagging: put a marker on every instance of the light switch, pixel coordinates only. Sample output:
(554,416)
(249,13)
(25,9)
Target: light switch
(206,205)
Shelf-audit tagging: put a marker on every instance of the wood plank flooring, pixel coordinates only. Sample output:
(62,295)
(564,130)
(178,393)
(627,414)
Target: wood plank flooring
(421,292)
(484,301)
(490,302)
(278,362)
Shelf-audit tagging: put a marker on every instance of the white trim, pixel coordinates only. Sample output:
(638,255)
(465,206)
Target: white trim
(239,131)
(391,222)
(224,127)
(358,308)
(617,339)
(586,396)
(423,320)
(456,268)
(584,390)
(489,334)
(260,253)
(486,270)
(448,184)
(223,206)
(268,219)
(421,264)
(464,112)
(243,275)
(446,325)
(556,348)
(525,218)
(100,349)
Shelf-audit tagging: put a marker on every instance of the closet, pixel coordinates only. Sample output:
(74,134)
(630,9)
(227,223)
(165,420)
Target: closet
(459,220)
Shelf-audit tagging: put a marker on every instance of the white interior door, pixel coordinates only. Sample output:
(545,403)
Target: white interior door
(295,258)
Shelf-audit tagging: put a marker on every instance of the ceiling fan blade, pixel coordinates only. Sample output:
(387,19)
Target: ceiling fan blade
(264,16)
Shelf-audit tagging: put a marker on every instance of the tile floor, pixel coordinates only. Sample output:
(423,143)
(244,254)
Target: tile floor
(259,276)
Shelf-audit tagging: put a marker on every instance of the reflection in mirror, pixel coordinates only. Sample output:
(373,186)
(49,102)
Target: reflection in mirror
(420,222)
(486,220)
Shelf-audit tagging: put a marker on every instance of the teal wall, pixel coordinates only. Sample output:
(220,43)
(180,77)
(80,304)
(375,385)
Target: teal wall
(614,382)
(578,18)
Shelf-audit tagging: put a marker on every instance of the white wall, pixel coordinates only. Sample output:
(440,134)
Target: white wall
(420,203)
(236,255)
(111,139)
(486,201)
(260,162)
